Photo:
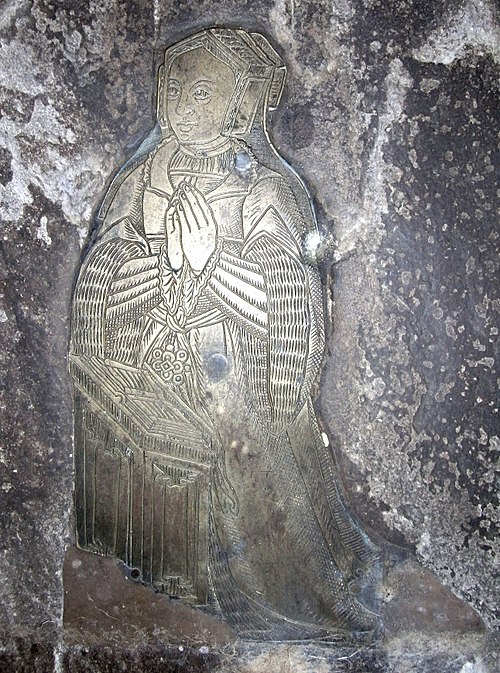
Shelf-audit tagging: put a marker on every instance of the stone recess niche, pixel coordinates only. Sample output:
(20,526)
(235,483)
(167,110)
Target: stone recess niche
(390,116)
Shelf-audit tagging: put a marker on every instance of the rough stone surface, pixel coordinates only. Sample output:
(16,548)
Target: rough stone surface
(390,115)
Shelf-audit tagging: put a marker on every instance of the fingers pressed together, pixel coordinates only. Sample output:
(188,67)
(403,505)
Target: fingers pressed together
(190,208)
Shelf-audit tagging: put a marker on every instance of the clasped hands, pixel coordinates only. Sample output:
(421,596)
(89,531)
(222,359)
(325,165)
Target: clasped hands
(191,229)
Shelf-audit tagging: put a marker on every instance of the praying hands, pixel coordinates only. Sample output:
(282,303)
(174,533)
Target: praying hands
(191,229)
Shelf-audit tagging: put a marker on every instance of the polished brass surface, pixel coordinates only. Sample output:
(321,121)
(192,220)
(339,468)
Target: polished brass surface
(197,335)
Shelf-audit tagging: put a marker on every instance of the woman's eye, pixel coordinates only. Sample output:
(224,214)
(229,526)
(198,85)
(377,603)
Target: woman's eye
(173,91)
(202,94)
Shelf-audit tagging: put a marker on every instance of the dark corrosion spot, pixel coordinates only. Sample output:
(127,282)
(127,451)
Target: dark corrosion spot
(217,367)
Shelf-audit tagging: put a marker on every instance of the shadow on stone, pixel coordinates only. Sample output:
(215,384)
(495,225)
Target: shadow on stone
(103,606)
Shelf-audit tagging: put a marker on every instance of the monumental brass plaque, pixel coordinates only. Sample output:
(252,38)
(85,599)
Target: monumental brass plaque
(197,335)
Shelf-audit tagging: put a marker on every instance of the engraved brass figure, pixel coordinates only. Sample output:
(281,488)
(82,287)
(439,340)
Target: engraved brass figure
(197,335)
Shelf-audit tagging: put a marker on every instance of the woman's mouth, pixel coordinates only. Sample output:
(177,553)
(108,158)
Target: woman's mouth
(185,127)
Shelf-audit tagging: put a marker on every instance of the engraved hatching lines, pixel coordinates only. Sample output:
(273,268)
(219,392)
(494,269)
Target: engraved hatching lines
(171,297)
(307,539)
(290,288)
(207,173)
(288,329)
(193,286)
(307,447)
(144,285)
(150,332)
(217,165)
(135,211)
(124,303)
(172,476)
(263,365)
(196,518)
(134,278)
(249,294)
(99,431)
(317,331)
(270,301)
(233,307)
(251,359)
(91,294)
(130,305)
(151,557)
(242,269)
(123,339)
(240,289)
(271,225)
(235,193)
(285,203)
(252,619)
(193,338)
(239,46)
(204,319)
(129,183)
(134,291)
(138,265)
(271,191)
(350,534)
(186,173)
(183,441)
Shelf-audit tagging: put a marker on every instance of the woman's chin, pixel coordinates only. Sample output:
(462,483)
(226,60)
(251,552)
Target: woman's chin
(184,137)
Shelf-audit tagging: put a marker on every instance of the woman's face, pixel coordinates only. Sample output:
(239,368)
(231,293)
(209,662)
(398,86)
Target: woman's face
(199,87)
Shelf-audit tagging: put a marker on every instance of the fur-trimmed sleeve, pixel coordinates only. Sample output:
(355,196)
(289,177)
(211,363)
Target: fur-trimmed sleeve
(280,376)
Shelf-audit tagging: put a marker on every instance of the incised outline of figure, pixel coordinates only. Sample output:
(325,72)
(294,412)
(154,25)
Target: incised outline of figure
(197,335)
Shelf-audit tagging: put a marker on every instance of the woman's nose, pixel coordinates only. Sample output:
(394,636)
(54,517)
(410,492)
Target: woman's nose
(184,107)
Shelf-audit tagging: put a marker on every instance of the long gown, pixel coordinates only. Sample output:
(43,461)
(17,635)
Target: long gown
(213,372)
